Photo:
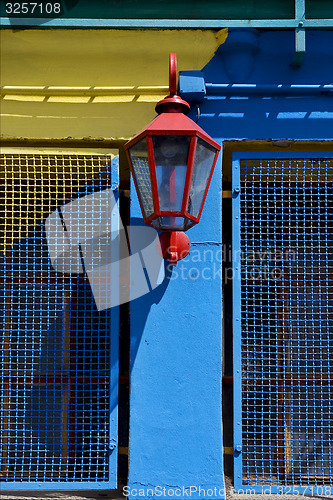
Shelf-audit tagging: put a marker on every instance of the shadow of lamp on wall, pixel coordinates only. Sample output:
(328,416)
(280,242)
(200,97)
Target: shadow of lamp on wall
(172,162)
(238,54)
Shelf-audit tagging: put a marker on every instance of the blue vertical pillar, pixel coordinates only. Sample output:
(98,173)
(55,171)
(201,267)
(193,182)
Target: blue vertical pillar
(175,445)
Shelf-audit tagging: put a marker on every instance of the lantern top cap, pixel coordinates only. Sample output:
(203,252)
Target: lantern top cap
(172,103)
(172,124)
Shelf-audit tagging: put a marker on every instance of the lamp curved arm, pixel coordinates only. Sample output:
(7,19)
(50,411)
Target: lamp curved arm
(173,74)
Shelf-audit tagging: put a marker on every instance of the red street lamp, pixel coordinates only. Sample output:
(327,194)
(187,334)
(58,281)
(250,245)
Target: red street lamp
(172,162)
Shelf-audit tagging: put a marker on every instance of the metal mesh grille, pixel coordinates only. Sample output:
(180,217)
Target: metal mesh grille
(286,242)
(55,344)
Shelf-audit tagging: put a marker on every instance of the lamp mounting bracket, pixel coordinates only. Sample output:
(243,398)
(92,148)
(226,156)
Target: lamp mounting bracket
(172,103)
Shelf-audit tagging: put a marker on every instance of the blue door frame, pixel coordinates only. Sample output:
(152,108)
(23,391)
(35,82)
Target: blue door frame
(290,486)
(104,381)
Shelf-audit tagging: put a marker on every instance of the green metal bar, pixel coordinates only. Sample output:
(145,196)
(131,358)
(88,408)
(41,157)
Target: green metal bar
(299,33)
(164,23)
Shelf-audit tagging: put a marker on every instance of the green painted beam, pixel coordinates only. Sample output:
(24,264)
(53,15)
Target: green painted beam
(319,9)
(168,13)
(161,9)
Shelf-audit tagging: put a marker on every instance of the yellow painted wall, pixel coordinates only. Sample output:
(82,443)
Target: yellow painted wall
(110,79)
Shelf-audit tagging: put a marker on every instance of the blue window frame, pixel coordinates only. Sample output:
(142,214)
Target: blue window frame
(283,322)
(59,350)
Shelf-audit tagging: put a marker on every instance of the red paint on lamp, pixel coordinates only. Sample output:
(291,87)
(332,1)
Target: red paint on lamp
(175,218)
(175,245)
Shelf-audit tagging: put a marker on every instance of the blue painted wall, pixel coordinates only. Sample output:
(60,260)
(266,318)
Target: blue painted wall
(175,416)
(276,117)
(176,358)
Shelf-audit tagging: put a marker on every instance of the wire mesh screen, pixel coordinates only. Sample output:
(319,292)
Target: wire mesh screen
(286,310)
(55,344)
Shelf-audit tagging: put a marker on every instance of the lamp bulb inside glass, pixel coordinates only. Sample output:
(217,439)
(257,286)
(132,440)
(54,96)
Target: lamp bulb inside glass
(169,147)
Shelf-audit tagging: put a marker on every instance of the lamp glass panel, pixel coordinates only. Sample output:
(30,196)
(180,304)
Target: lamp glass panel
(171,156)
(202,166)
(169,223)
(139,159)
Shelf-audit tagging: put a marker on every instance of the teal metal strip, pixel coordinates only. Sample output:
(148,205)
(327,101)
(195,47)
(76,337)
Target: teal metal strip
(236,290)
(299,47)
(114,334)
(299,33)
(164,23)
